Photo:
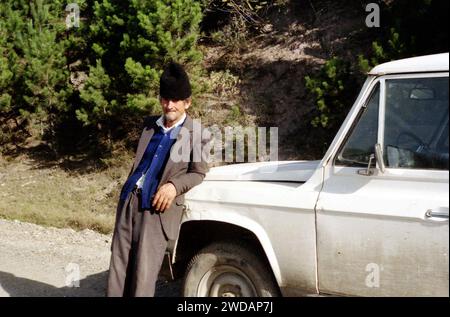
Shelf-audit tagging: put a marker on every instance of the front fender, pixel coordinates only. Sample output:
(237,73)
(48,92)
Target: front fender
(223,214)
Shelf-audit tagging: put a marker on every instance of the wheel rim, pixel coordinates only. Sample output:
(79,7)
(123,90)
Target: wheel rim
(226,281)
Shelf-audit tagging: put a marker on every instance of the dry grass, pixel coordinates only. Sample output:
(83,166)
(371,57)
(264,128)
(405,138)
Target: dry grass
(54,196)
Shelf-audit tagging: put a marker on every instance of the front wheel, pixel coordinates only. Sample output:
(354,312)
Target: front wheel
(228,270)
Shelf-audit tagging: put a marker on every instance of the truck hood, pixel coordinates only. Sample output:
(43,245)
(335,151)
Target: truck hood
(276,171)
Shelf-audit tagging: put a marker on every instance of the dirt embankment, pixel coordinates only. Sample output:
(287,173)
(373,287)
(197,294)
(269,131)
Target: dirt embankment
(271,67)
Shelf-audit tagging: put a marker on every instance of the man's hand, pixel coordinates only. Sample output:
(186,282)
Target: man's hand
(164,197)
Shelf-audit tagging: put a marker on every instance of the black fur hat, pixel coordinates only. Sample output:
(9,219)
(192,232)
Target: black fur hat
(174,83)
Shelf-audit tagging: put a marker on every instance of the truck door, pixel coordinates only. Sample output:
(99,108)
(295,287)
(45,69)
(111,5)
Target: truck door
(385,233)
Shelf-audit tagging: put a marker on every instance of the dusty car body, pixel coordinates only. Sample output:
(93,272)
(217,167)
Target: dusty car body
(369,219)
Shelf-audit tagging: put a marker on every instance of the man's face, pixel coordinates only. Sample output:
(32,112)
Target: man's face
(174,109)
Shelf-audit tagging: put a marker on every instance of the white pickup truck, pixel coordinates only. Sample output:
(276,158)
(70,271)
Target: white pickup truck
(369,219)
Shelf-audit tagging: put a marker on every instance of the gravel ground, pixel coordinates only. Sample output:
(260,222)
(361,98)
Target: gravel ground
(41,261)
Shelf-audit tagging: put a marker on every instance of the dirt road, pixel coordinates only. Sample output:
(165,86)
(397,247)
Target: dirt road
(40,261)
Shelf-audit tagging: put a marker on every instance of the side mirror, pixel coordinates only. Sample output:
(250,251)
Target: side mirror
(368,171)
(378,157)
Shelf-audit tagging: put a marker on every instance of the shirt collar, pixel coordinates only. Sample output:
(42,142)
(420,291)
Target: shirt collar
(160,123)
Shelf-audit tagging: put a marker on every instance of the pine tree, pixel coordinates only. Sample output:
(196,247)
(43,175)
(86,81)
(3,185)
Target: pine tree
(32,43)
(130,41)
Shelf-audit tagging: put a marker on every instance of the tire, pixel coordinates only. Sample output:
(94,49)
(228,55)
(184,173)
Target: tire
(226,269)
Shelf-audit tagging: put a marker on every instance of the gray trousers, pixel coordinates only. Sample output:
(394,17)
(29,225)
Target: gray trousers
(138,248)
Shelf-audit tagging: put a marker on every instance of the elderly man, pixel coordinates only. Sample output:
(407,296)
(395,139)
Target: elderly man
(151,201)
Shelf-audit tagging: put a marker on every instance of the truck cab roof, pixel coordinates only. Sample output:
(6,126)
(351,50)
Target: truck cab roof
(428,63)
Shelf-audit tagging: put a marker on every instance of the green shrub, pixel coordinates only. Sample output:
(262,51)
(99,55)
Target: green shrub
(327,90)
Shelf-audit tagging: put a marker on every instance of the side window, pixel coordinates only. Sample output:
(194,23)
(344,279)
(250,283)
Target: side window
(416,123)
(360,144)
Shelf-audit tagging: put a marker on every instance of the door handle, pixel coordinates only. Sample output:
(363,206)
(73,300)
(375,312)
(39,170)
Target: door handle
(432,213)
